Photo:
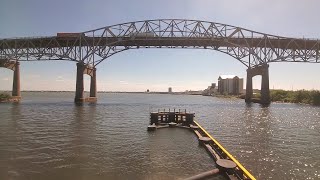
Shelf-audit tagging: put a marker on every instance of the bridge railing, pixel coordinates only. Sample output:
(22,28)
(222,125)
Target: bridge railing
(167,34)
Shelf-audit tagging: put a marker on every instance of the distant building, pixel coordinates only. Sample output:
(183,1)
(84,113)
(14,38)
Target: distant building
(210,90)
(213,85)
(230,84)
(147,90)
(170,90)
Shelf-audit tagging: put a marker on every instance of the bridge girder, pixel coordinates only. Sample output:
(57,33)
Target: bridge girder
(92,47)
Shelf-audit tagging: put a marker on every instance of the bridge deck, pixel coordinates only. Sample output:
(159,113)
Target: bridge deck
(92,47)
(57,42)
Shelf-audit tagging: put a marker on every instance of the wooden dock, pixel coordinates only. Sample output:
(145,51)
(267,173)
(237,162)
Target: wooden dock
(226,164)
(165,117)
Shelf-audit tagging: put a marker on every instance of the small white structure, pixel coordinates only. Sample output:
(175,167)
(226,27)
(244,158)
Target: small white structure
(230,84)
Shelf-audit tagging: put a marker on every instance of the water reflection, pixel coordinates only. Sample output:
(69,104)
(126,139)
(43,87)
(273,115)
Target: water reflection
(12,139)
(258,136)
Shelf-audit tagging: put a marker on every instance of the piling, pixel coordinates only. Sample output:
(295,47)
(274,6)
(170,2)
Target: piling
(204,175)
(152,127)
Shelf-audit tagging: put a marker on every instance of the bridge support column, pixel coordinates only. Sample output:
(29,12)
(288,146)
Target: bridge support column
(91,71)
(16,93)
(265,91)
(93,86)
(79,83)
(262,70)
(15,67)
(249,90)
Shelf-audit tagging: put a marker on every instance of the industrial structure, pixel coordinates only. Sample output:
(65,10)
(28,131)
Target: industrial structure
(230,84)
(210,90)
(253,49)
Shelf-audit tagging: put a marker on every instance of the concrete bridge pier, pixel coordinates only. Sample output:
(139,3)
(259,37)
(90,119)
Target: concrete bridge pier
(249,90)
(265,91)
(16,82)
(91,71)
(262,70)
(79,83)
(15,67)
(93,86)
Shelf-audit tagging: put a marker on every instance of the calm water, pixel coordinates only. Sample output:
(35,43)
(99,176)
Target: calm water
(48,137)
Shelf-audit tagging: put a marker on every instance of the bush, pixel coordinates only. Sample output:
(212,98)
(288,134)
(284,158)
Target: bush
(278,95)
(256,95)
(4,96)
(301,96)
(315,97)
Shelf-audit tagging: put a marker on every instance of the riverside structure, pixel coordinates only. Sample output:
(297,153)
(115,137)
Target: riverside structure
(230,84)
(227,165)
(253,49)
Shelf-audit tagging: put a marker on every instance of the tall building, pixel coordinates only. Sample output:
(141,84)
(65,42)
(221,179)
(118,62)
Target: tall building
(230,84)
(170,90)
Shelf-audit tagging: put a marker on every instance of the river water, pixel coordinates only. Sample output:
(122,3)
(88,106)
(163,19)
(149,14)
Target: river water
(47,136)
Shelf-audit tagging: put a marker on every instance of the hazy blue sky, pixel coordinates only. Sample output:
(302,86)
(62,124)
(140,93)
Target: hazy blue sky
(138,70)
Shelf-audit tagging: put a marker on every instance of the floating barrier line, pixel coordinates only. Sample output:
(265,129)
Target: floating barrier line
(246,172)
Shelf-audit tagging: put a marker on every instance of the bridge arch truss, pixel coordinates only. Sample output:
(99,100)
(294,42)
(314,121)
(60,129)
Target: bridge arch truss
(92,47)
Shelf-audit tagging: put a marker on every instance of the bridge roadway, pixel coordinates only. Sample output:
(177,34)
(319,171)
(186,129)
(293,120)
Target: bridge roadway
(58,42)
(253,49)
(261,50)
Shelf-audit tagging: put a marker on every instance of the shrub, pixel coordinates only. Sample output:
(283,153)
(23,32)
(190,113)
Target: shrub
(315,97)
(256,95)
(300,96)
(4,96)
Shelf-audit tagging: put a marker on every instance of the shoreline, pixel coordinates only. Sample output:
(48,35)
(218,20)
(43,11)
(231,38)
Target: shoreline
(119,92)
(4,98)
(10,99)
(277,96)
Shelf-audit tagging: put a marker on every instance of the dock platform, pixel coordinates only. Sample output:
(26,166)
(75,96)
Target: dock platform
(226,164)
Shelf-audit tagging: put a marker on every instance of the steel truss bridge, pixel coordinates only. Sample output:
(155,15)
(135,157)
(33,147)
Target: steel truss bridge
(253,49)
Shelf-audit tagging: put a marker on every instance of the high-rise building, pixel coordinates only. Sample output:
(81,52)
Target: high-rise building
(170,90)
(230,84)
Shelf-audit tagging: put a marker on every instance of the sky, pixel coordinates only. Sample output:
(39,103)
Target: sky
(158,69)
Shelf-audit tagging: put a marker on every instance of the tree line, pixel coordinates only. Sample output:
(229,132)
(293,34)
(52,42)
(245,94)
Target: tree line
(300,96)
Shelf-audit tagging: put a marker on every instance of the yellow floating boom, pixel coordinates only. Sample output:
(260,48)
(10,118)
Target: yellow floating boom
(246,172)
